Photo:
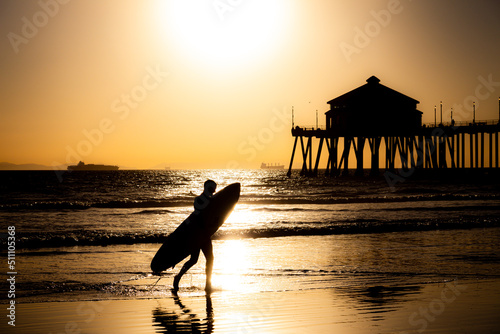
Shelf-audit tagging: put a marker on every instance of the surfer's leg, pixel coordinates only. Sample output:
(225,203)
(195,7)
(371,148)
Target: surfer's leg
(191,262)
(209,256)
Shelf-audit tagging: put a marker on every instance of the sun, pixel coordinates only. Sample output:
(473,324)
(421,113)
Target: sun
(223,33)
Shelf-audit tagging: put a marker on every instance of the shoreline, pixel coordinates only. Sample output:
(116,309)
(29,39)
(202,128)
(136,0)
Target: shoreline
(441,281)
(467,305)
(291,263)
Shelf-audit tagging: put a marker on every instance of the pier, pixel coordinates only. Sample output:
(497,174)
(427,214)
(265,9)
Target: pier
(389,124)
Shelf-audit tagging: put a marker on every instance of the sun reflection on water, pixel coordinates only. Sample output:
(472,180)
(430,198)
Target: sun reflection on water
(231,267)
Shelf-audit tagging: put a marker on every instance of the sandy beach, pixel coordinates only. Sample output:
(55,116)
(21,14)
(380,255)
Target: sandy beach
(455,307)
(406,282)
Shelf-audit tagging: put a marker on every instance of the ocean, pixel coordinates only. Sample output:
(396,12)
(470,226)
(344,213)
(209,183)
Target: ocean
(91,235)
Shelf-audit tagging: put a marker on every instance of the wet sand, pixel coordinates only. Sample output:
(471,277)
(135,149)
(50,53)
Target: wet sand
(469,306)
(407,282)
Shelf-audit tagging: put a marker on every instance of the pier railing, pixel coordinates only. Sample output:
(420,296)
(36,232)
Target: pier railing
(310,127)
(433,146)
(462,123)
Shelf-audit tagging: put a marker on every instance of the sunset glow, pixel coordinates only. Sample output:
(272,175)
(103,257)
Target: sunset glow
(223,36)
(190,84)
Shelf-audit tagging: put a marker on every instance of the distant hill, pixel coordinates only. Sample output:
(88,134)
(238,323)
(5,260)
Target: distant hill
(10,166)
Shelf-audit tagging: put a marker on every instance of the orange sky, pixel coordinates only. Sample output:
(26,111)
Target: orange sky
(211,84)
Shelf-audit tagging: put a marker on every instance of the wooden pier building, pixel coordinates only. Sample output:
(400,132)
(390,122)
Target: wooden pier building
(373,114)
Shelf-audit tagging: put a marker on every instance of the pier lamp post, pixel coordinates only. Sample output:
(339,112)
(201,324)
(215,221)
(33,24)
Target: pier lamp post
(435,122)
(441,112)
(474,112)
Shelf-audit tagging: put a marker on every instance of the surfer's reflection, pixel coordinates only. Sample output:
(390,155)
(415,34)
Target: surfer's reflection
(185,321)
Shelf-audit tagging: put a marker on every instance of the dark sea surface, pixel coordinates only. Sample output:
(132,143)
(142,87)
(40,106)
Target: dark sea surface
(114,207)
(89,232)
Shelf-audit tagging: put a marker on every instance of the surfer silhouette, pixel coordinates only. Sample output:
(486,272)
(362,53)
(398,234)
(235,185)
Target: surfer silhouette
(200,203)
(195,233)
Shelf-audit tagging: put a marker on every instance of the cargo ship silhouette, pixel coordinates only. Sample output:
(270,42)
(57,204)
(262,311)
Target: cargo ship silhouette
(271,166)
(82,166)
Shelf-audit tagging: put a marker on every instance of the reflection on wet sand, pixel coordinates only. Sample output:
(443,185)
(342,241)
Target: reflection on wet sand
(368,305)
(377,301)
(184,320)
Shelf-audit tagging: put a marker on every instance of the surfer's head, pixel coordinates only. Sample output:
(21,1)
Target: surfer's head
(210,186)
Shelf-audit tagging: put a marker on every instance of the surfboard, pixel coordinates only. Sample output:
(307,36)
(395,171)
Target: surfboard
(196,229)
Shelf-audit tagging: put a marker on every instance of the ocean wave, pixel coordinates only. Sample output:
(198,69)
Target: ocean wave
(355,226)
(467,208)
(153,212)
(244,199)
(46,206)
(36,291)
(77,205)
(149,203)
(295,209)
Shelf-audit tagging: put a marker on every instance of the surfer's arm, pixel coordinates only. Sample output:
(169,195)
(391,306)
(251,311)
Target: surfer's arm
(201,202)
